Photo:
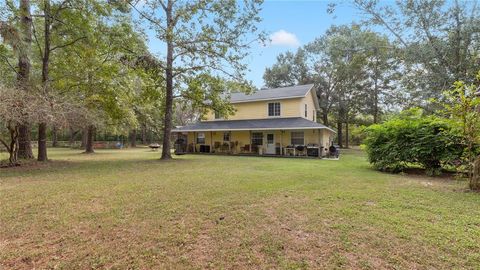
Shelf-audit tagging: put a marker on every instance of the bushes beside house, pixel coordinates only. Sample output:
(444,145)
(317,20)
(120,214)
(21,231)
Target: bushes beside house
(411,139)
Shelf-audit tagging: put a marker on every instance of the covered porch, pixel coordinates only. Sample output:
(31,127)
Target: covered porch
(292,137)
(312,143)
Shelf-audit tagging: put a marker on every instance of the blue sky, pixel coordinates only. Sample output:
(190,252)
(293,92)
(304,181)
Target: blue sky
(290,24)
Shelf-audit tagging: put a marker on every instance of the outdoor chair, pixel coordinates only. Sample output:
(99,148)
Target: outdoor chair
(233,147)
(216,146)
(245,148)
(191,148)
(224,147)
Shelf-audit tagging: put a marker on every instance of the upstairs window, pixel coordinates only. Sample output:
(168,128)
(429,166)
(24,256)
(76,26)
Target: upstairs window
(217,115)
(297,138)
(306,111)
(274,109)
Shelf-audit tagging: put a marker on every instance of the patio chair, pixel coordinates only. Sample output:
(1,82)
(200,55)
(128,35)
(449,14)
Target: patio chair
(225,147)
(191,148)
(216,146)
(233,147)
(245,148)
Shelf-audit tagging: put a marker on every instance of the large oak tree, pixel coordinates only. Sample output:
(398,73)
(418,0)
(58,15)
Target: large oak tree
(199,36)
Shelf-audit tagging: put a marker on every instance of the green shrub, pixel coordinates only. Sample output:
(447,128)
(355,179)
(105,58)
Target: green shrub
(411,139)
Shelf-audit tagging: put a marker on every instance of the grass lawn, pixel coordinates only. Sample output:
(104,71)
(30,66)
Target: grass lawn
(126,209)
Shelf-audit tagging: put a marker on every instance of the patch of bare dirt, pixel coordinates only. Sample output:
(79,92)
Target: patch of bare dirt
(33,165)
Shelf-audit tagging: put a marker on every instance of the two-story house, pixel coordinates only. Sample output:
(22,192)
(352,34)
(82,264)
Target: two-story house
(280,121)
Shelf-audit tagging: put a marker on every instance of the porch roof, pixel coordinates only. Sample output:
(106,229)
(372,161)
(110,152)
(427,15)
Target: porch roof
(292,123)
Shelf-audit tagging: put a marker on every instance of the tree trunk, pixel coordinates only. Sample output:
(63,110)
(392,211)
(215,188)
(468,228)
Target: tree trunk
(23,77)
(475,178)
(347,140)
(42,142)
(133,138)
(54,136)
(90,139)
(167,127)
(340,133)
(42,127)
(24,145)
(71,140)
(144,134)
(150,137)
(84,138)
(375,103)
(325,117)
(12,146)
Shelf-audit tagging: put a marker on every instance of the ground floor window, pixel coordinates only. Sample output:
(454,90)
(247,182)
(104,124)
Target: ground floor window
(297,138)
(226,136)
(200,138)
(257,138)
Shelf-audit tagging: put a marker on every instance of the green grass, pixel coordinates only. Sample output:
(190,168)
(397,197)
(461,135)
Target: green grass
(126,209)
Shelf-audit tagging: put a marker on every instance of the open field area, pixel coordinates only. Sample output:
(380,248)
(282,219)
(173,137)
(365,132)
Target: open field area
(126,209)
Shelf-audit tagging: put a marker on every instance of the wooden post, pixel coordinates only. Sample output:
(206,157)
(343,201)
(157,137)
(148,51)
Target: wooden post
(194,142)
(320,145)
(281,142)
(211,140)
(251,146)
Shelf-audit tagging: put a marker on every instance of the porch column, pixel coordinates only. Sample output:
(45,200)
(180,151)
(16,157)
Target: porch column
(281,142)
(320,144)
(211,139)
(250,134)
(194,142)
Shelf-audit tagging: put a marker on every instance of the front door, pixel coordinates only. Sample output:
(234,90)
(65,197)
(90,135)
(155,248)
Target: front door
(270,144)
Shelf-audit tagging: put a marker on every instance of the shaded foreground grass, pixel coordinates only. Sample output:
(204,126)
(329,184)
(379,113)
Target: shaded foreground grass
(127,209)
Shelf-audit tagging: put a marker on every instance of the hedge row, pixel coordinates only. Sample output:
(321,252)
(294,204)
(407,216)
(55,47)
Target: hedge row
(405,141)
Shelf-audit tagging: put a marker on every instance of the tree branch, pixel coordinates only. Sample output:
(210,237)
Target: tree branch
(36,40)
(379,17)
(9,64)
(5,144)
(145,16)
(67,44)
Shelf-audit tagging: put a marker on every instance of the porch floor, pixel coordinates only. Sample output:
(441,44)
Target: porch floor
(256,155)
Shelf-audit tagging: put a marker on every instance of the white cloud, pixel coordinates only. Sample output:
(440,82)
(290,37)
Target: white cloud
(284,38)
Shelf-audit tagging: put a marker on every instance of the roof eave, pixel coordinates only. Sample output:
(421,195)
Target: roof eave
(266,99)
(247,129)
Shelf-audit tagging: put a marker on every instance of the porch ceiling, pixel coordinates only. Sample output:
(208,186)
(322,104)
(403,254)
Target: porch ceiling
(293,123)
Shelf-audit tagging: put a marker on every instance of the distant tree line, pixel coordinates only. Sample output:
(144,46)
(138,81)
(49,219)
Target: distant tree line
(86,69)
(363,76)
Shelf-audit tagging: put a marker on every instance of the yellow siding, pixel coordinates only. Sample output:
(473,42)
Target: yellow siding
(308,100)
(294,107)
(259,109)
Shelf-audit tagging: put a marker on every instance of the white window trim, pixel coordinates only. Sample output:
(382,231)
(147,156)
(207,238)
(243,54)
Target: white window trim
(291,137)
(279,106)
(229,136)
(200,137)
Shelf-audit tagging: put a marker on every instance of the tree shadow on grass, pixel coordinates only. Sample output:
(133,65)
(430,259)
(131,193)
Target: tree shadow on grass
(73,166)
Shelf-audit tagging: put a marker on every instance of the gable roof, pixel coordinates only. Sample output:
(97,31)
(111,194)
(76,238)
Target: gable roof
(291,123)
(297,91)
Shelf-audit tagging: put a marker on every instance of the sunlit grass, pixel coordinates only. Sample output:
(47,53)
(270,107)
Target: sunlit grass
(127,209)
